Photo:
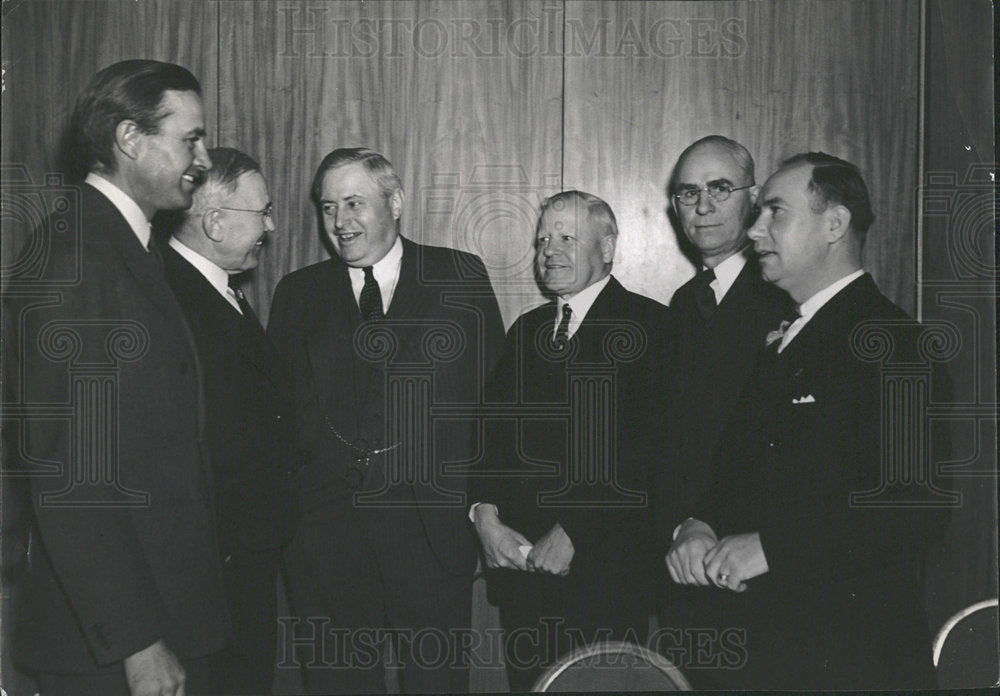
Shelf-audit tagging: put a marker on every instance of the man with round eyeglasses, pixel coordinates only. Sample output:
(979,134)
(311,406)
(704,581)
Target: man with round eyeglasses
(722,316)
(211,245)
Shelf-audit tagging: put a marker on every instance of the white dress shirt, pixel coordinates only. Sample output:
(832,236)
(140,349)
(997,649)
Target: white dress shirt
(580,304)
(386,272)
(215,275)
(808,308)
(129,209)
(726,274)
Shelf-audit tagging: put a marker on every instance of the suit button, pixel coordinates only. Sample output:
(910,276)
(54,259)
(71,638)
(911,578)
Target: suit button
(278,418)
(183,367)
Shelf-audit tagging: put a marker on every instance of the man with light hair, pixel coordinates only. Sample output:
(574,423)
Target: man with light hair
(212,245)
(562,507)
(383,549)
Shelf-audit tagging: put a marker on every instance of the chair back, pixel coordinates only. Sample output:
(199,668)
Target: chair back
(967,648)
(612,666)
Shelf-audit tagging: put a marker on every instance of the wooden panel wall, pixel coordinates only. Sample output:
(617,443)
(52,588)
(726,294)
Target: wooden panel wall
(645,79)
(486,107)
(470,128)
(52,49)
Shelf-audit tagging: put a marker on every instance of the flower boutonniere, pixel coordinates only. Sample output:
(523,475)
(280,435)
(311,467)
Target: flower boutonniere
(778,333)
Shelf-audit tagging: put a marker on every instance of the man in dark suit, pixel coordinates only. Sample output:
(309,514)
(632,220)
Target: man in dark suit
(123,592)
(386,345)
(721,317)
(218,238)
(807,521)
(562,509)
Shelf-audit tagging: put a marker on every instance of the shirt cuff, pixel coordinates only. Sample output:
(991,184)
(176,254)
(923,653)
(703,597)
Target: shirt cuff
(472,511)
(677,529)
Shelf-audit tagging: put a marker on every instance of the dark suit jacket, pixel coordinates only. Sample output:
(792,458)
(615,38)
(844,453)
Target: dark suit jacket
(841,606)
(710,364)
(538,466)
(114,566)
(432,350)
(248,425)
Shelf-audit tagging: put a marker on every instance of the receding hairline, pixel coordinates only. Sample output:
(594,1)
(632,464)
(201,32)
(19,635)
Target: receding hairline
(600,217)
(740,156)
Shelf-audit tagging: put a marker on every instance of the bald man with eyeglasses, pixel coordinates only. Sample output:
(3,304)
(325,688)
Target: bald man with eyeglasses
(722,316)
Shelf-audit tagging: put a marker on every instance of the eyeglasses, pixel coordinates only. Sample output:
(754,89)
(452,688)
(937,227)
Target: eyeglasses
(267,212)
(718,192)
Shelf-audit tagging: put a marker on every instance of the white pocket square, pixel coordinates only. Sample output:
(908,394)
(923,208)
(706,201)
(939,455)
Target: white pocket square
(810,399)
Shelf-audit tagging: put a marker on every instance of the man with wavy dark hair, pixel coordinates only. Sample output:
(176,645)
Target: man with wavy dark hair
(820,512)
(123,592)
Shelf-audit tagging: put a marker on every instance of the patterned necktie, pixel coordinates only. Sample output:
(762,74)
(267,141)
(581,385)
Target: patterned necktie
(241,299)
(704,295)
(562,331)
(371,297)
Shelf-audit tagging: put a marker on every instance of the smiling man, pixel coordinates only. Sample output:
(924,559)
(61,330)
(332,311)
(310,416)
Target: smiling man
(215,241)
(374,340)
(124,591)
(825,574)
(570,543)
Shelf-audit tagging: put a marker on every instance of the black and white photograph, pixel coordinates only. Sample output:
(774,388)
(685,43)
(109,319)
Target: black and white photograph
(497,346)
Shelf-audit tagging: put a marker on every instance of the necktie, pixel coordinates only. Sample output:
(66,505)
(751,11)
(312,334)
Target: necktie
(250,322)
(154,252)
(704,295)
(241,299)
(562,331)
(371,297)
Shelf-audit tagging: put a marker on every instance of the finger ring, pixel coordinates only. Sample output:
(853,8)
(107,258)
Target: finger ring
(723,577)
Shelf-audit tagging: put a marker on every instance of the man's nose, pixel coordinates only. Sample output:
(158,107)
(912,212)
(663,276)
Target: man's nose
(705,203)
(201,158)
(756,231)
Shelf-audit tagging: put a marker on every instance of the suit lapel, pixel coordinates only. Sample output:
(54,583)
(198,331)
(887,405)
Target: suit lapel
(330,344)
(409,291)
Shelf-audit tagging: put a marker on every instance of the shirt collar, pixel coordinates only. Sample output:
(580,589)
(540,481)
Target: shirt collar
(813,304)
(582,301)
(385,268)
(129,209)
(215,275)
(726,274)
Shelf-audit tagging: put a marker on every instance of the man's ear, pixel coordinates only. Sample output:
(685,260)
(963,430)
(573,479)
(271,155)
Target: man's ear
(608,248)
(127,138)
(754,192)
(211,224)
(396,203)
(837,222)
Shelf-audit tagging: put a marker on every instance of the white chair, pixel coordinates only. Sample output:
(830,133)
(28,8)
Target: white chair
(612,666)
(967,648)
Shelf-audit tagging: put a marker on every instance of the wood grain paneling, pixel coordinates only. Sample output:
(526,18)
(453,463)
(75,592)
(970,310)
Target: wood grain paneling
(645,79)
(52,49)
(472,127)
